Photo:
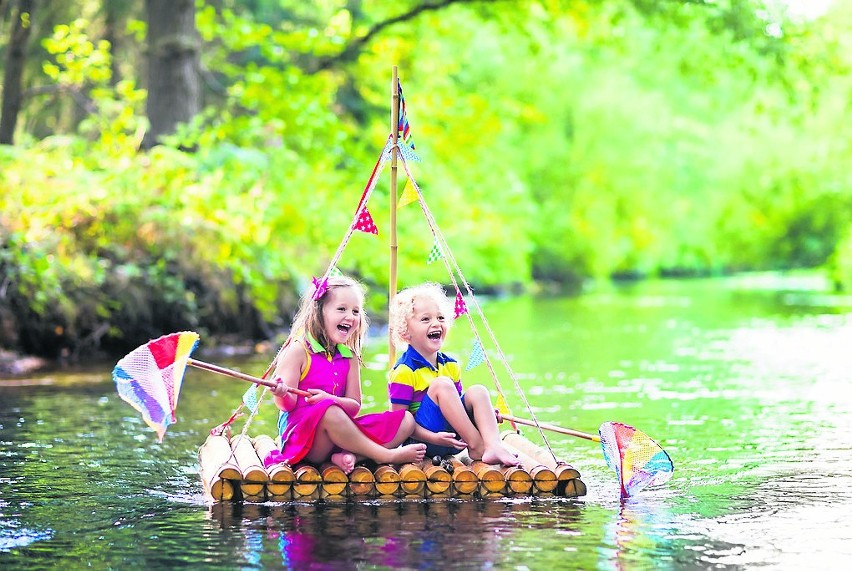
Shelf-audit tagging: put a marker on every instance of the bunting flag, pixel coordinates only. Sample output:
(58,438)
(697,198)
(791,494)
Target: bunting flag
(503,408)
(365,223)
(408,195)
(461,308)
(335,273)
(250,398)
(477,356)
(404,126)
(435,254)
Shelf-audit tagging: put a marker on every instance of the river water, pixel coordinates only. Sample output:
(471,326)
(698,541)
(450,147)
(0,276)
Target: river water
(742,380)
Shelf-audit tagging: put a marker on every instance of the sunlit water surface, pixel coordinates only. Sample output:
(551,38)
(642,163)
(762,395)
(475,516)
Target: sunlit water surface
(743,381)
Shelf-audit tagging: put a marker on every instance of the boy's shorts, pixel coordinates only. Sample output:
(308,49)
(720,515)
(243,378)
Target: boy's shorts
(429,416)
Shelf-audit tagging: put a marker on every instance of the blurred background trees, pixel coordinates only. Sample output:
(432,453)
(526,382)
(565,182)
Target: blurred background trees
(176,164)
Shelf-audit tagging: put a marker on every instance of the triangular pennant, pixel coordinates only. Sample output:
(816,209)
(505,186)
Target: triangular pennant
(404,127)
(435,254)
(460,306)
(365,223)
(408,196)
(477,356)
(250,398)
(503,408)
(335,273)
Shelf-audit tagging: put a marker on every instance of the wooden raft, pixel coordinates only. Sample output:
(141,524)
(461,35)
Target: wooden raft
(232,470)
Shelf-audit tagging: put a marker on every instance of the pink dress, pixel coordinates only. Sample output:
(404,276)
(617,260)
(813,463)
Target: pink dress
(329,374)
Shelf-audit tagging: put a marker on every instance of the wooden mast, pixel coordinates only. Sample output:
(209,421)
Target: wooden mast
(393,176)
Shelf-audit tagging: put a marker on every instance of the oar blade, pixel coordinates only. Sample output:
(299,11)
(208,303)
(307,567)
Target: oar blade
(637,459)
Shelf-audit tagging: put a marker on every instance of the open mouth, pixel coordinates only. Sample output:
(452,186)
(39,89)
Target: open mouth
(434,335)
(344,328)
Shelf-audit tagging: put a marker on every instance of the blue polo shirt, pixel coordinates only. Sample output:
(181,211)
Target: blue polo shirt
(411,375)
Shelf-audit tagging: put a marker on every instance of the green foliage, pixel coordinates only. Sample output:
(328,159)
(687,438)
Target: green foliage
(560,142)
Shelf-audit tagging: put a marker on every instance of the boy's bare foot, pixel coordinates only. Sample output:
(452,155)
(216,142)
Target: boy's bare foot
(344,460)
(408,453)
(499,455)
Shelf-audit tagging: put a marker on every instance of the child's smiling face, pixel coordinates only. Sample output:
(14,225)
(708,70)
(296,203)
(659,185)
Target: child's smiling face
(427,327)
(341,314)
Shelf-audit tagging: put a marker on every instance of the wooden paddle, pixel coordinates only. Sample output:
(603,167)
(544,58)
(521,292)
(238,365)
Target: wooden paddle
(242,376)
(552,427)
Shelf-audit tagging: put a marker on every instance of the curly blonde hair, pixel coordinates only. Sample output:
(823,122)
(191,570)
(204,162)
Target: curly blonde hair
(402,307)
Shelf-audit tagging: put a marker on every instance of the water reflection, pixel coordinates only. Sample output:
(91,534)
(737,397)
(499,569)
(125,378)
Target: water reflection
(398,534)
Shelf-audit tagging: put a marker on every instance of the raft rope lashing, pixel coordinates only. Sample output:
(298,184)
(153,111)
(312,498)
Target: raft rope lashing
(451,264)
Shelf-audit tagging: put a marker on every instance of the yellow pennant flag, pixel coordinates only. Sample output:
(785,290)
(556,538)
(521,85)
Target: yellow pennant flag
(408,196)
(501,405)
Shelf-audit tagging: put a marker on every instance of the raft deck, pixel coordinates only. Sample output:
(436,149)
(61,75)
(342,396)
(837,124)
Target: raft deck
(233,470)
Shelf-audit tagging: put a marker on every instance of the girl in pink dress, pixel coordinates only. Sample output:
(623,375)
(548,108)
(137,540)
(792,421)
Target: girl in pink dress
(328,333)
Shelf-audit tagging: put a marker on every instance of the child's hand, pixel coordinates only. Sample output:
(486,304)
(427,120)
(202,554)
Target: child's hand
(448,439)
(498,415)
(280,389)
(316,396)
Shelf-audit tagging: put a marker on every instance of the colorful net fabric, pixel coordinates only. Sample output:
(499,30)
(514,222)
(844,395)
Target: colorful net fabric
(150,377)
(638,461)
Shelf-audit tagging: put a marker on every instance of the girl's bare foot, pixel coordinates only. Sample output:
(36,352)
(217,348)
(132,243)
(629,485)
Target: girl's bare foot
(408,453)
(499,455)
(344,460)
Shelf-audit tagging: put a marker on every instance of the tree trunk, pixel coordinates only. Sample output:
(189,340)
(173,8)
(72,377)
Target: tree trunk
(174,85)
(15,59)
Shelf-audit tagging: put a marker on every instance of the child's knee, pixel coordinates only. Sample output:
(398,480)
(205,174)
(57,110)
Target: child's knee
(442,385)
(478,393)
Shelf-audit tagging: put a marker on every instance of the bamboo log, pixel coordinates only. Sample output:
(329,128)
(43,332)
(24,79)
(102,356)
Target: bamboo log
(362,482)
(438,480)
(280,480)
(544,479)
(254,476)
(412,480)
(387,480)
(334,480)
(215,459)
(491,479)
(518,480)
(572,488)
(564,472)
(307,482)
(465,481)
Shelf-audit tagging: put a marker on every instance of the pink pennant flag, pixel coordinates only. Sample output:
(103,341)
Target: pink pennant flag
(365,223)
(461,308)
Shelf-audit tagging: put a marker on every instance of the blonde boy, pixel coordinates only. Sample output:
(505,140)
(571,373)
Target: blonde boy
(427,382)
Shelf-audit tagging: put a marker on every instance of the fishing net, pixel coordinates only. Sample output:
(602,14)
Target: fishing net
(637,459)
(150,377)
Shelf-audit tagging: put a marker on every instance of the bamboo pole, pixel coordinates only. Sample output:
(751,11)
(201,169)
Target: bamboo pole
(281,477)
(307,482)
(518,480)
(217,472)
(362,482)
(412,480)
(465,481)
(491,479)
(334,480)
(438,480)
(564,472)
(394,247)
(552,428)
(387,480)
(254,476)
(544,479)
